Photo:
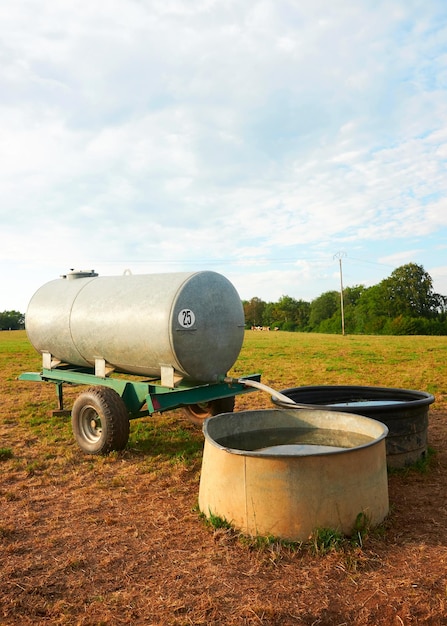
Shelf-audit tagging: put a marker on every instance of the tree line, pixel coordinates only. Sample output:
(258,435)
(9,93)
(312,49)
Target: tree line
(12,320)
(402,304)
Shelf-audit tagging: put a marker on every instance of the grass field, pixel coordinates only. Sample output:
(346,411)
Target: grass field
(296,359)
(118,539)
(283,359)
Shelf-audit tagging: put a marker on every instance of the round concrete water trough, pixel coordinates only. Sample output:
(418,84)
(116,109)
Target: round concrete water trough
(403,411)
(286,473)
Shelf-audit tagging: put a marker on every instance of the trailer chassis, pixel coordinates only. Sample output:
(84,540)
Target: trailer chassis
(100,415)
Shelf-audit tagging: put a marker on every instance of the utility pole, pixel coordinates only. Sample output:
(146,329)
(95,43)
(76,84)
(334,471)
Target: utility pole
(339,256)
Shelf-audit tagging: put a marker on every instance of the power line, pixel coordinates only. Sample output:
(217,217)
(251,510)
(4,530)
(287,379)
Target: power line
(371,262)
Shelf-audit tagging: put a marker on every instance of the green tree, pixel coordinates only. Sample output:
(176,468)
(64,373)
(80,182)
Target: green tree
(254,311)
(302,315)
(323,308)
(11,320)
(269,315)
(409,292)
(351,295)
(288,314)
(371,311)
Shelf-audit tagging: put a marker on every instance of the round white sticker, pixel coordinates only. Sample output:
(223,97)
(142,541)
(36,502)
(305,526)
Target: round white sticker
(186,318)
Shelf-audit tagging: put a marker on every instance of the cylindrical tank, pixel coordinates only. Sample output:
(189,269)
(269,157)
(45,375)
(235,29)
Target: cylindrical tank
(289,491)
(403,411)
(192,322)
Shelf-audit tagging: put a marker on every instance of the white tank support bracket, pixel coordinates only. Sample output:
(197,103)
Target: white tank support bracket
(48,362)
(169,377)
(102,369)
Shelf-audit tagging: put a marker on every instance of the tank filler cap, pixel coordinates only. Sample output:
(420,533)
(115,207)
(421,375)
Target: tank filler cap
(73,274)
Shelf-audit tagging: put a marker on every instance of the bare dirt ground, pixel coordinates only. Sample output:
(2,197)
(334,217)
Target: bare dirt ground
(118,542)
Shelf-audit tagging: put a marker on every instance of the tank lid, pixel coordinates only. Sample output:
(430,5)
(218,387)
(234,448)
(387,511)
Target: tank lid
(72,274)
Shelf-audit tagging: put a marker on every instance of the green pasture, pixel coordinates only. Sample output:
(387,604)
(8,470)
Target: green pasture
(284,360)
(287,359)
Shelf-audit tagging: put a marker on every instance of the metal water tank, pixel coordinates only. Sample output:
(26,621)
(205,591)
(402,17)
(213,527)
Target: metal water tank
(190,322)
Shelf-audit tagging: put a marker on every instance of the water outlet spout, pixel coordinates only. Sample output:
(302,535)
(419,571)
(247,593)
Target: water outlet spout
(254,383)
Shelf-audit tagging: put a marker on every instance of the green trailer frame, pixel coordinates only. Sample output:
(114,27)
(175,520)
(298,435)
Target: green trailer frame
(100,416)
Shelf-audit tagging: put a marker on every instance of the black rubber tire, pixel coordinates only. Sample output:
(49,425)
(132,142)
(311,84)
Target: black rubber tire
(198,413)
(100,421)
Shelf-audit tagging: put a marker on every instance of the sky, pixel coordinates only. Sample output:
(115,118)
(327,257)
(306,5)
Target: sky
(293,146)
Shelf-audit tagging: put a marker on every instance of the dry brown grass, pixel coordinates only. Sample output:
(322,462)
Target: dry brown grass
(118,540)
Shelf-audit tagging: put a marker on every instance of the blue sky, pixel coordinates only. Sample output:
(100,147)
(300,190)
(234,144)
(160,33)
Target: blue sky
(258,139)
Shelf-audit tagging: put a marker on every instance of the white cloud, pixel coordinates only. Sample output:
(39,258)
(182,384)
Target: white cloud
(167,132)
(439,277)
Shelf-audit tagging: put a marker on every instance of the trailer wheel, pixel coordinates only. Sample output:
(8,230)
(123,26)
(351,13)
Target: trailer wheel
(197,413)
(100,421)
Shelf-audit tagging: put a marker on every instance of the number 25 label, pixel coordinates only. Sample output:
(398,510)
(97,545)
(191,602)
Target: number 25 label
(186,318)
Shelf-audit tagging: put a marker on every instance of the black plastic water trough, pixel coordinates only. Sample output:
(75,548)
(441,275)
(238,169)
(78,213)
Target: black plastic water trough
(404,411)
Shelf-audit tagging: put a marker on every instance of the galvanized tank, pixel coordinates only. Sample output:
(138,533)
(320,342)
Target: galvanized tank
(289,491)
(191,322)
